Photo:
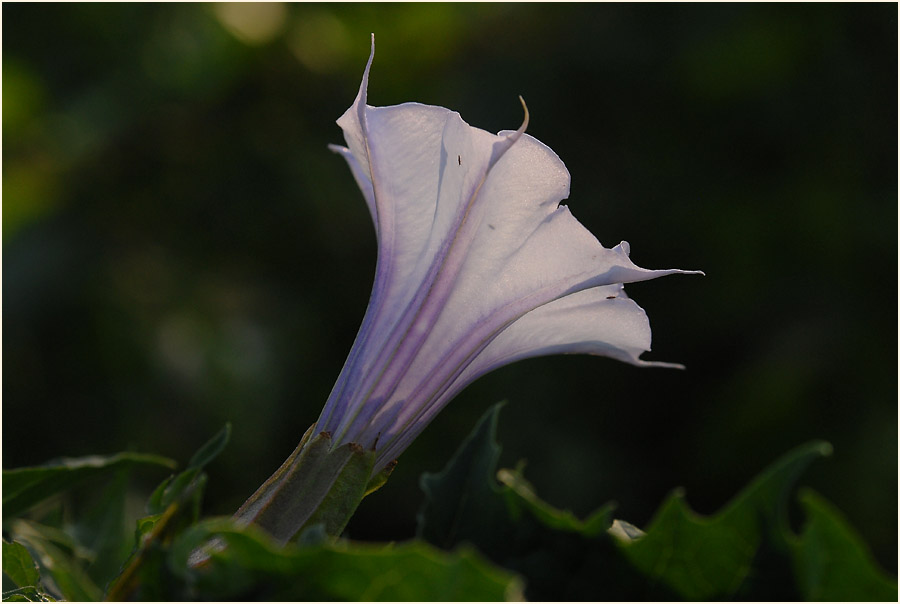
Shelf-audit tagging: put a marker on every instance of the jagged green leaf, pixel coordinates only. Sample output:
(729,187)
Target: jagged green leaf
(463,500)
(25,487)
(715,557)
(745,551)
(831,561)
(561,557)
(247,564)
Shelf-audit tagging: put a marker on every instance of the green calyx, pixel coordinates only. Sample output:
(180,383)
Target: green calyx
(317,484)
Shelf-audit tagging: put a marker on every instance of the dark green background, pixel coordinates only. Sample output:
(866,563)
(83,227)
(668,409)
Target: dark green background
(181,250)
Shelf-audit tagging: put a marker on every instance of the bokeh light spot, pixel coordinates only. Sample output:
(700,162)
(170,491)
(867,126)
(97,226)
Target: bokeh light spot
(252,22)
(23,96)
(320,41)
(30,191)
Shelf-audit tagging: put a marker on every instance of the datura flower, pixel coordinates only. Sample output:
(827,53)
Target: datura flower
(479,265)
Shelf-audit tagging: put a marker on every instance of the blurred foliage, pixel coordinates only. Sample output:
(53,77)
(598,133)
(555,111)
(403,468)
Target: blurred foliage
(25,487)
(180,249)
(746,551)
(55,550)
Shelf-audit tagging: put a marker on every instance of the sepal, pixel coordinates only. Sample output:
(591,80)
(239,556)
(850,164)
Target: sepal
(317,484)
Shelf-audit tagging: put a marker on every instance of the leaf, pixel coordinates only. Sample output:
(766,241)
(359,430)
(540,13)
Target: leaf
(19,566)
(703,558)
(100,528)
(90,547)
(173,489)
(831,561)
(211,449)
(27,594)
(745,551)
(58,556)
(190,481)
(561,557)
(172,507)
(462,500)
(250,565)
(25,487)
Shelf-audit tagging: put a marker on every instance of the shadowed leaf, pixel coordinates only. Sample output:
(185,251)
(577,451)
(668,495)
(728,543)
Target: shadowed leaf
(250,565)
(25,487)
(832,563)
(19,566)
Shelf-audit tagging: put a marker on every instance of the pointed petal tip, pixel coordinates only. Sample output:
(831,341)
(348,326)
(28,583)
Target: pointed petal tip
(364,85)
(625,248)
(680,271)
(662,364)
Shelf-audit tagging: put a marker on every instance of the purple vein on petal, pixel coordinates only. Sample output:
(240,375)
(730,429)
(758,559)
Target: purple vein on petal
(412,328)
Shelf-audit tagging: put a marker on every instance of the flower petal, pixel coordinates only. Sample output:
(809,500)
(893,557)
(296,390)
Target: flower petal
(528,251)
(478,266)
(600,321)
(419,200)
(361,176)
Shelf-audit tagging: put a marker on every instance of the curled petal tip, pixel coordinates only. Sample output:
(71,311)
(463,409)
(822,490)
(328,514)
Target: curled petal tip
(525,121)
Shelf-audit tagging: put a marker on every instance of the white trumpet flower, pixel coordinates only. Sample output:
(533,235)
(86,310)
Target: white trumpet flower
(478,266)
